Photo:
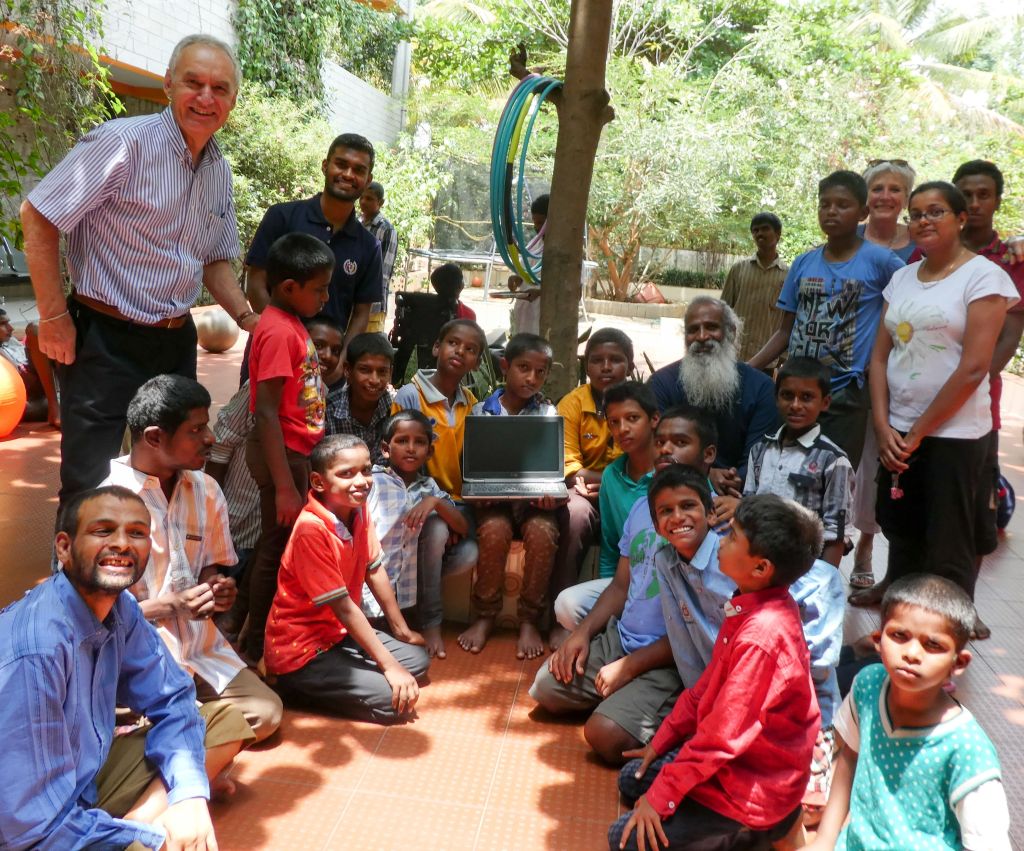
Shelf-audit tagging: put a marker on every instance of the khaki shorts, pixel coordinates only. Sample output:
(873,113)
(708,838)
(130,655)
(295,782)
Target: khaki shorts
(126,773)
(638,707)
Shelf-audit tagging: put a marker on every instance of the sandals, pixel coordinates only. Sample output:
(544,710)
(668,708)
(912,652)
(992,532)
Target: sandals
(862,576)
(981,631)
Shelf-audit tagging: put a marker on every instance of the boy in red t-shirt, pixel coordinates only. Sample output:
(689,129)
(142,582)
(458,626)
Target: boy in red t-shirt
(287,397)
(732,759)
(324,651)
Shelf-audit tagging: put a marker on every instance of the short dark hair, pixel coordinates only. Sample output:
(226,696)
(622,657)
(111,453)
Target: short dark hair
(468,323)
(679,476)
(950,194)
(324,321)
(635,391)
(328,448)
(984,168)
(356,143)
(524,343)
(297,257)
(770,219)
(848,180)
(804,367)
(376,187)
(368,343)
(165,401)
(703,423)
(613,336)
(937,595)
(447,281)
(780,530)
(540,205)
(70,514)
(409,415)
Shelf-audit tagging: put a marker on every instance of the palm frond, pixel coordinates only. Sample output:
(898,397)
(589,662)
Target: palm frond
(458,11)
(889,30)
(959,37)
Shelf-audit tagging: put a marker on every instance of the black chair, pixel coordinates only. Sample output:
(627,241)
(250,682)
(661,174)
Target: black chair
(13,268)
(418,320)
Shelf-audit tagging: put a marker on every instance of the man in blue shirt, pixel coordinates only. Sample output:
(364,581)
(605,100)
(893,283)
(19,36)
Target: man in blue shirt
(70,650)
(358,279)
(741,400)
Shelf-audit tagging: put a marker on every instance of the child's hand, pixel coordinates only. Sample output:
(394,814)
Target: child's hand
(288,504)
(404,691)
(588,489)
(646,755)
(410,636)
(726,482)
(224,592)
(725,508)
(416,516)
(571,658)
(546,503)
(612,677)
(647,822)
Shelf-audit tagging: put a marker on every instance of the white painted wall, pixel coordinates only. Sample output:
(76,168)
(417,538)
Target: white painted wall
(143,32)
(354,106)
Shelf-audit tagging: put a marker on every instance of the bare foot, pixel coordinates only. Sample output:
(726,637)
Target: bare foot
(474,638)
(434,642)
(530,644)
(222,787)
(557,635)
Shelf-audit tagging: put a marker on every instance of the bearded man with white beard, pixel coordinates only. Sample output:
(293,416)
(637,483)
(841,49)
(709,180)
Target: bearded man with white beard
(710,377)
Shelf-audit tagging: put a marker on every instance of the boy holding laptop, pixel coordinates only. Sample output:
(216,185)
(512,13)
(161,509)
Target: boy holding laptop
(525,366)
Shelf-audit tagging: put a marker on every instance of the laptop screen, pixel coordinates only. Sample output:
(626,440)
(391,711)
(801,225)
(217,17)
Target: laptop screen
(526,447)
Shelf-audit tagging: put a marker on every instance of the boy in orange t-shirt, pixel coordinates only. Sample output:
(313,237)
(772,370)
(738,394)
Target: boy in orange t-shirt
(324,651)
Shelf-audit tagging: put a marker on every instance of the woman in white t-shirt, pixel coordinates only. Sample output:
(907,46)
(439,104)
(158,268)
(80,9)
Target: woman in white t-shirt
(929,394)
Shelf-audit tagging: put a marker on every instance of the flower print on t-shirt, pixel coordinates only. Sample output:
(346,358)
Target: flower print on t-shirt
(915,328)
(313,393)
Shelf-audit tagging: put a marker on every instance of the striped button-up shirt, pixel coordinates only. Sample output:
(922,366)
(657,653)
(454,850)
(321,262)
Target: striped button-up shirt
(190,531)
(389,501)
(141,220)
(234,423)
(752,291)
(388,239)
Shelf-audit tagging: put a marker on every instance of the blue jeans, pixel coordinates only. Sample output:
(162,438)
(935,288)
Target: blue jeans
(436,559)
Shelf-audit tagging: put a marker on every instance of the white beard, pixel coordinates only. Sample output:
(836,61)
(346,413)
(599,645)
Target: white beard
(709,377)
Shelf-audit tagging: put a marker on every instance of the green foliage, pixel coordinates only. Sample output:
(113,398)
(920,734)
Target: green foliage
(690,278)
(52,82)
(276,146)
(283,44)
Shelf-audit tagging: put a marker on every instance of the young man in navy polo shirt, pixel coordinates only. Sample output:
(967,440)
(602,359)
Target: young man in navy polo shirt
(357,281)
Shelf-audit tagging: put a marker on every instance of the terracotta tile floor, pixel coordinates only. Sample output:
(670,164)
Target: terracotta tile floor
(478,770)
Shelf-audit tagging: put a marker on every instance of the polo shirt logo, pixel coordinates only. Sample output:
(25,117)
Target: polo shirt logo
(350,266)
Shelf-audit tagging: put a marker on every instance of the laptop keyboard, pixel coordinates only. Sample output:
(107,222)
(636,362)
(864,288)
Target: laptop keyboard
(511,489)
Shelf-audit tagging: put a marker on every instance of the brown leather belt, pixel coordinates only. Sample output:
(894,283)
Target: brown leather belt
(114,313)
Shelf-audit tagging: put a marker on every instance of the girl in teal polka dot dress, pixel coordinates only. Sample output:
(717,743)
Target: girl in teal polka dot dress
(916,770)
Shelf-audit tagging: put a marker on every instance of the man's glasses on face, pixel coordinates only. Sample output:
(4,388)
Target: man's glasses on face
(933,215)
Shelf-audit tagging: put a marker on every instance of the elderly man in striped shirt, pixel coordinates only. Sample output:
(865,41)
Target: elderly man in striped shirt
(146,207)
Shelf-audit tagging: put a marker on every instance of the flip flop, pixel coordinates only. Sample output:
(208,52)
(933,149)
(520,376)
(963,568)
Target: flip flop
(862,578)
(867,597)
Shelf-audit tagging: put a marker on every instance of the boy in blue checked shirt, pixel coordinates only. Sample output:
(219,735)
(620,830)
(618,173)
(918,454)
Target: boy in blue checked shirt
(401,501)
(798,462)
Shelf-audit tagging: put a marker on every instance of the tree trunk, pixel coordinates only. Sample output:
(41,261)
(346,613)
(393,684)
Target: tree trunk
(582,113)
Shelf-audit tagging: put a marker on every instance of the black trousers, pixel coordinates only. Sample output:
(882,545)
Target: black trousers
(346,681)
(933,527)
(693,826)
(113,358)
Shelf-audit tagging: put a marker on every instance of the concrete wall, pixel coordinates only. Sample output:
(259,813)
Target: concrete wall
(142,33)
(354,106)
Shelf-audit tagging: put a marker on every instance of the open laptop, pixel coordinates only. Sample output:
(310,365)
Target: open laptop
(513,458)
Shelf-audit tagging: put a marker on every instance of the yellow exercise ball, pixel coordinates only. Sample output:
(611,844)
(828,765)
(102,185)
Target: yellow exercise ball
(12,397)
(217,331)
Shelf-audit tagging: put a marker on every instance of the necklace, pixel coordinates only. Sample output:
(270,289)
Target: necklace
(944,272)
(895,235)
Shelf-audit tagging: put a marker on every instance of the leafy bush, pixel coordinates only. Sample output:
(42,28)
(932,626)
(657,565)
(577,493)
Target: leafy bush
(690,278)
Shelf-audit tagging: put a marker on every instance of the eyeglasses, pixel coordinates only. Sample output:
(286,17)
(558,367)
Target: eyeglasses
(873,163)
(933,215)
